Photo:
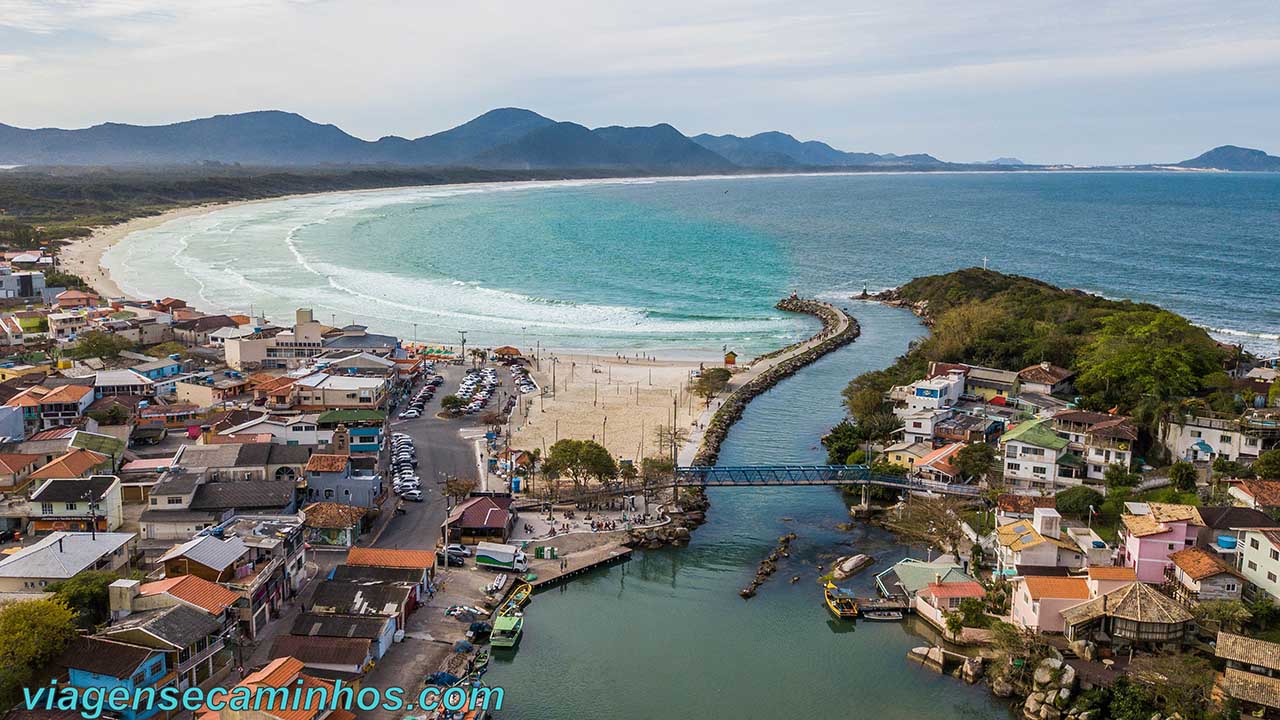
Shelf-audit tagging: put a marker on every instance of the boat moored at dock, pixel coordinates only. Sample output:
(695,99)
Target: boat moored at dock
(840,602)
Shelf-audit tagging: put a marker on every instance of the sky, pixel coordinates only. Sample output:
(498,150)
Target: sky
(1092,82)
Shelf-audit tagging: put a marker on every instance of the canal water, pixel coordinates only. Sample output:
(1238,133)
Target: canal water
(666,635)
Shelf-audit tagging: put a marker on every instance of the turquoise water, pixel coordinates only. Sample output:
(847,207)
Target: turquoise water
(666,635)
(697,264)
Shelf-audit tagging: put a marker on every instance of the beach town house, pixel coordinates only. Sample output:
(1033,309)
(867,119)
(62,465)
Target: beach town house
(1151,532)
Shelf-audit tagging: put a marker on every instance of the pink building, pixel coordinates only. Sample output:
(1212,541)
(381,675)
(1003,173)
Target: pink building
(1038,601)
(1154,531)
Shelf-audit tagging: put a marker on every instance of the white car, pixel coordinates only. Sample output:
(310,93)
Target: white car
(462,550)
(413,496)
(409,414)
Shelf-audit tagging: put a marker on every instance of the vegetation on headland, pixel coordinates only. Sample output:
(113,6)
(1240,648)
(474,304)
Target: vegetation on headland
(1137,358)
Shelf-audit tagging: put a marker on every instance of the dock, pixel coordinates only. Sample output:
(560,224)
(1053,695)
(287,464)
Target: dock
(878,603)
(577,563)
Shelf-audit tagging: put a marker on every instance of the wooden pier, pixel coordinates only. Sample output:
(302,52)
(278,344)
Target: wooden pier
(577,563)
(875,604)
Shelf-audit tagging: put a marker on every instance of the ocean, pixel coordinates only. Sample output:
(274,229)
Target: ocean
(696,265)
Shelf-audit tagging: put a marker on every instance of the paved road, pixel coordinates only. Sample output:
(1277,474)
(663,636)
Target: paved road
(442,452)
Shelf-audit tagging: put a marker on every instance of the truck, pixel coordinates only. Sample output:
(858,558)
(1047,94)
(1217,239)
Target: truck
(501,557)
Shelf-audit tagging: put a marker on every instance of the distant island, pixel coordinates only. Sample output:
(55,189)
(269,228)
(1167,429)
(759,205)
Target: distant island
(506,139)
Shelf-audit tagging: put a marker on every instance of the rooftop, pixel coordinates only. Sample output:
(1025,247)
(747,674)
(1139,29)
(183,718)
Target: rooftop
(1137,601)
(325,463)
(1037,433)
(335,625)
(208,596)
(331,515)
(102,656)
(1248,650)
(209,551)
(59,555)
(1107,572)
(75,489)
(1198,563)
(1044,586)
(177,626)
(323,650)
(378,557)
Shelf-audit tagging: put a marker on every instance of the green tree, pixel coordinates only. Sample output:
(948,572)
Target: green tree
(32,633)
(955,624)
(1118,476)
(841,441)
(973,612)
(114,415)
(975,461)
(1183,475)
(580,460)
(863,402)
(460,488)
(711,382)
(1229,615)
(85,593)
(452,403)
(1267,466)
(1224,468)
(1077,500)
(166,349)
(1145,352)
(95,344)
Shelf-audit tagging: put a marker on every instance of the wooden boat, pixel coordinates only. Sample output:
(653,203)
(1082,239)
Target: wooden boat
(516,599)
(840,602)
(882,615)
(506,631)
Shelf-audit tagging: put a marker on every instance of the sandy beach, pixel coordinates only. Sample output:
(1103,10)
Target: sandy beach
(620,401)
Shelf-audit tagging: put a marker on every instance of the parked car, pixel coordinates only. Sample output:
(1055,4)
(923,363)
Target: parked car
(456,549)
(412,495)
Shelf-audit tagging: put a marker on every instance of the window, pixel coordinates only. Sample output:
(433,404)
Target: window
(1015,467)
(1253,543)
(1275,554)
(1230,587)
(173,500)
(1271,577)
(1038,469)
(1195,433)
(71,506)
(155,501)
(1253,565)
(1225,439)
(328,494)
(46,508)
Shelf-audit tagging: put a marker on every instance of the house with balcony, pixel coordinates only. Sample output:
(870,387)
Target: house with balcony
(1151,532)
(76,504)
(106,664)
(191,640)
(1037,457)
(936,466)
(1099,439)
(326,391)
(122,382)
(127,596)
(277,348)
(66,325)
(47,407)
(262,576)
(1029,545)
(930,394)
(1204,439)
(906,454)
(1197,575)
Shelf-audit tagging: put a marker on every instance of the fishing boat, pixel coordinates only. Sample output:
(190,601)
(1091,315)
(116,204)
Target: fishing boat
(881,615)
(516,599)
(506,631)
(840,602)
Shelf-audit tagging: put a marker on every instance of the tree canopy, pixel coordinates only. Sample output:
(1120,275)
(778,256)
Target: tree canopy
(100,345)
(87,595)
(580,460)
(32,633)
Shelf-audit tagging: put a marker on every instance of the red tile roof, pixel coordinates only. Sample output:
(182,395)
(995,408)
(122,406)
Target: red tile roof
(1024,504)
(208,596)
(77,463)
(377,557)
(1107,572)
(1199,563)
(482,512)
(1265,493)
(1044,373)
(965,589)
(321,462)
(1047,586)
(15,462)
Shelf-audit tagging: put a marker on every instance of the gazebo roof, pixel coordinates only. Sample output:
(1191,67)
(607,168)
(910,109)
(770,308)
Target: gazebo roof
(1137,602)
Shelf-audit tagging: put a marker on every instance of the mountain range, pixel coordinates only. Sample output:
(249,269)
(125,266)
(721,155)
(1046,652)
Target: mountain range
(505,139)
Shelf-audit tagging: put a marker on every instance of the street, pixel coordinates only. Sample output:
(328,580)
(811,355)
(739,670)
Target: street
(443,452)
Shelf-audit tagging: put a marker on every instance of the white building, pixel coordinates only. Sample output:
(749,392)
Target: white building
(1037,457)
(1260,562)
(930,394)
(1036,543)
(1204,439)
(71,504)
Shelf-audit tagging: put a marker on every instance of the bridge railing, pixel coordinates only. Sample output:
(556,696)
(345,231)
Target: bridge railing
(782,475)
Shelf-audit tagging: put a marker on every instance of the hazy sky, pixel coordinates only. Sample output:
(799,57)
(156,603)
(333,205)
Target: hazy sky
(1080,81)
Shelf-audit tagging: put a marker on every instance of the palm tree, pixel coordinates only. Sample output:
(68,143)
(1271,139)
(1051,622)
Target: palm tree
(535,455)
(478,356)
